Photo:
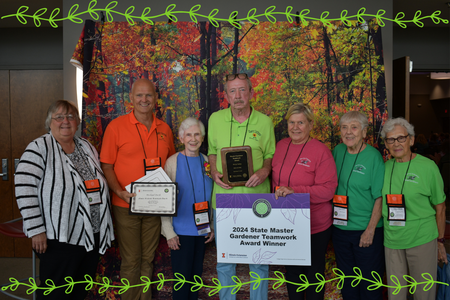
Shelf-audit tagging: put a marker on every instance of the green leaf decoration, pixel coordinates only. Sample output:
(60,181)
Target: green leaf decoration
(279,282)
(37,14)
(358,278)
(379,16)
(89,281)
(20,13)
(417,18)
(238,284)
(378,281)
(169,14)
(108,9)
(361,12)
(232,20)
(50,288)
(288,14)
(303,15)
(70,282)
(144,17)
(340,276)
(147,282)
(54,13)
(258,280)
(194,14)
(430,281)
(397,284)
(180,283)
(413,283)
(91,10)
(268,14)
(161,281)
(33,286)
(344,18)
(128,16)
(324,20)
(322,282)
(217,289)
(251,16)
(106,285)
(198,283)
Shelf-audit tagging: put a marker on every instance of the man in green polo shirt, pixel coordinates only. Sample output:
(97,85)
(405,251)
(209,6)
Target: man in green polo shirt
(237,126)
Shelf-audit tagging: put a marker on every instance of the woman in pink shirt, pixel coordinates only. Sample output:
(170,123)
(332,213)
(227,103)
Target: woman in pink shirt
(302,164)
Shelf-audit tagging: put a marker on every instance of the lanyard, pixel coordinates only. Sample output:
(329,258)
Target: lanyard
(203,177)
(404,179)
(84,159)
(295,163)
(246,127)
(142,142)
(351,172)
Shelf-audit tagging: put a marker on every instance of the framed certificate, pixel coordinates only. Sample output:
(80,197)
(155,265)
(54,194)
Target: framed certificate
(154,198)
(237,165)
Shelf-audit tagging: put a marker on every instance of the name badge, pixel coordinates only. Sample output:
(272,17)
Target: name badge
(396,209)
(340,210)
(151,164)
(201,217)
(93,191)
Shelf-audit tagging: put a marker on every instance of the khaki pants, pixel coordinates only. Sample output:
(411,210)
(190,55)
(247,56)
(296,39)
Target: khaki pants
(419,260)
(138,237)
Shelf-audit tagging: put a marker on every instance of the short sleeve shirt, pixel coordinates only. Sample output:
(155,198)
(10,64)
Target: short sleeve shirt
(360,177)
(127,142)
(423,189)
(225,131)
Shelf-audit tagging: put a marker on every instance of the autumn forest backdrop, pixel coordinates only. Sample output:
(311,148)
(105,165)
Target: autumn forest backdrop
(333,67)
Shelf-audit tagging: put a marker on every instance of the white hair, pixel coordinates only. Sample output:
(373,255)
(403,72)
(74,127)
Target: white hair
(187,123)
(354,116)
(390,124)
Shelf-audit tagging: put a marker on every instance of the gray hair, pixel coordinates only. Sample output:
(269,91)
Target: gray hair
(68,107)
(354,116)
(390,124)
(225,87)
(189,122)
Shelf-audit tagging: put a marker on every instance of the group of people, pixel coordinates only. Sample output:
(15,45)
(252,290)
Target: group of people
(380,216)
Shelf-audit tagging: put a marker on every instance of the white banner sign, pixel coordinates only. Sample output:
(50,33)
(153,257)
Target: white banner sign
(257,229)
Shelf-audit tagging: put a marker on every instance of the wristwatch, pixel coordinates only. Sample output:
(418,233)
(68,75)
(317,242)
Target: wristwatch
(442,240)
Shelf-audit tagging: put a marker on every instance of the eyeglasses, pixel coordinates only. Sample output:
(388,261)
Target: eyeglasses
(60,118)
(400,139)
(232,77)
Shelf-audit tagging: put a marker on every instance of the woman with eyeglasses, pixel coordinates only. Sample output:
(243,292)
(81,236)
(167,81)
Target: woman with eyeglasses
(413,212)
(63,197)
(302,164)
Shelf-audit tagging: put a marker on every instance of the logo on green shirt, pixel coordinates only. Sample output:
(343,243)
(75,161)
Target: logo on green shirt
(359,169)
(411,177)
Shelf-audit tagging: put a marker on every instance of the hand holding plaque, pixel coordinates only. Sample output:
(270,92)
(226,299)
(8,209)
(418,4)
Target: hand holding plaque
(237,165)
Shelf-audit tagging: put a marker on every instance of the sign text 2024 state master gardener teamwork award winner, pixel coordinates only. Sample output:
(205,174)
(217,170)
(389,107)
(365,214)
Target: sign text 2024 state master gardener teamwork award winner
(257,229)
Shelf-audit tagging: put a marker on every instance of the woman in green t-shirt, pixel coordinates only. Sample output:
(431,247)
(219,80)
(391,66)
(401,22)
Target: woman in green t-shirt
(357,231)
(413,211)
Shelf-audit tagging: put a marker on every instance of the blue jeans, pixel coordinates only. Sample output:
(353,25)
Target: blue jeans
(225,271)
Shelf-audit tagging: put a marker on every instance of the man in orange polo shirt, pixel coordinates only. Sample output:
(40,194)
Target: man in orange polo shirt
(131,144)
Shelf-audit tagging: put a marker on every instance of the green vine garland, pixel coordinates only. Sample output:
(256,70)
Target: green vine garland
(251,17)
(197,284)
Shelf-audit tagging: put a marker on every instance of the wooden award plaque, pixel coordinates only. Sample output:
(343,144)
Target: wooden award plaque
(237,165)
